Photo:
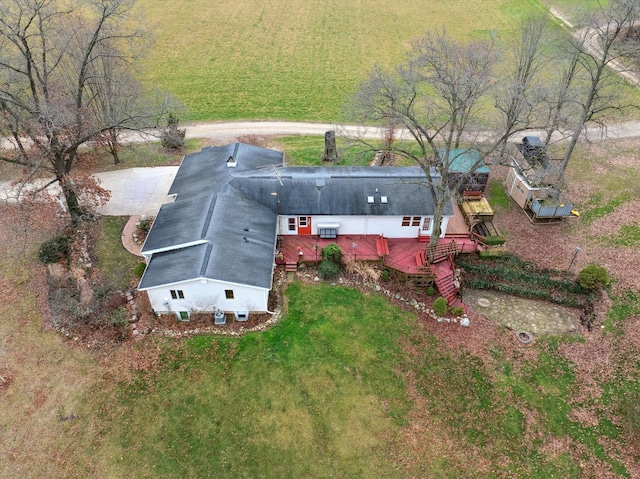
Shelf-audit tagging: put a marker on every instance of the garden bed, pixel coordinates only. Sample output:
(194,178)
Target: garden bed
(511,275)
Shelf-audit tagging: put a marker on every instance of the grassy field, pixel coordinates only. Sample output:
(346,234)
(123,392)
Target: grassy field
(295,60)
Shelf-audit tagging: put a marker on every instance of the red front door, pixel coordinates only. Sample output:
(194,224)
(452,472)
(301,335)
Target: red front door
(304,225)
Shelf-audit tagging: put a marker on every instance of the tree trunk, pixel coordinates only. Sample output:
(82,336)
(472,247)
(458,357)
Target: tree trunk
(330,150)
(70,195)
(113,145)
(436,231)
(113,149)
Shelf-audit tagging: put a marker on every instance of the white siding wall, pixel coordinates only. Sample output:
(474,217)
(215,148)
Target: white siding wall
(389,226)
(208,297)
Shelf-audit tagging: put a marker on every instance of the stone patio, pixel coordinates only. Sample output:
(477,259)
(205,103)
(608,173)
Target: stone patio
(537,317)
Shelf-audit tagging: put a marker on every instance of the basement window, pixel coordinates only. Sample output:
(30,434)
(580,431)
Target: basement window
(228,293)
(242,315)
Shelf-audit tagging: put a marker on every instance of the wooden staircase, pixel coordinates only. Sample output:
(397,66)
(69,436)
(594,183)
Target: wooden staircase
(382,246)
(445,277)
(291,267)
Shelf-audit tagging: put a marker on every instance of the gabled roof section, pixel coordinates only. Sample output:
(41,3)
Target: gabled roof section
(239,248)
(174,266)
(181,223)
(206,171)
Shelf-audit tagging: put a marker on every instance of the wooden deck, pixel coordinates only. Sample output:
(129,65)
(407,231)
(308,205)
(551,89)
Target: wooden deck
(308,248)
(407,255)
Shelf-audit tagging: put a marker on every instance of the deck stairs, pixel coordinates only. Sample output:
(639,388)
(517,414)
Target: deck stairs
(382,246)
(291,267)
(445,277)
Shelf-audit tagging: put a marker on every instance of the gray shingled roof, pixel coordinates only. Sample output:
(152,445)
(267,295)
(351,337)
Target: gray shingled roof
(340,190)
(240,248)
(184,221)
(206,171)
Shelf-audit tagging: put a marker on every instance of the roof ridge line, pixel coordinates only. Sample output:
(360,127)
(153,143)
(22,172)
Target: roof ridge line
(207,220)
(205,260)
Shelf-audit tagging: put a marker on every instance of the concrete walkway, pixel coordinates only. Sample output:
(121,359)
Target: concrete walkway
(127,236)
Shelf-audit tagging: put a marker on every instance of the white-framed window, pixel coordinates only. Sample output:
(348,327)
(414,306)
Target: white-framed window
(415,221)
(176,294)
(292,224)
(406,220)
(328,233)
(303,222)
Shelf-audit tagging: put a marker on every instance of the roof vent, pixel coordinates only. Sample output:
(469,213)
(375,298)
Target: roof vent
(232,162)
(384,200)
(370,200)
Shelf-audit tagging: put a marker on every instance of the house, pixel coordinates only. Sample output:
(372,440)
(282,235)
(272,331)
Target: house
(531,180)
(213,247)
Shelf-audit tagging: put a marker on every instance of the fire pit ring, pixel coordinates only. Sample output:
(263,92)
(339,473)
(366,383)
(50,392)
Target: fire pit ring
(525,337)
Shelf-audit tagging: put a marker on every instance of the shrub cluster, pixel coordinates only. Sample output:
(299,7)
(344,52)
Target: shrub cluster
(328,269)
(331,263)
(494,240)
(55,250)
(172,137)
(144,224)
(593,277)
(440,306)
(332,252)
(514,276)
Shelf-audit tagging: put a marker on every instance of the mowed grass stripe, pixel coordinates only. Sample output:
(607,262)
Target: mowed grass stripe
(295,60)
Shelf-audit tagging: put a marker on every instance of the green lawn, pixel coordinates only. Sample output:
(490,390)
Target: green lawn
(348,385)
(295,60)
(308,151)
(115,263)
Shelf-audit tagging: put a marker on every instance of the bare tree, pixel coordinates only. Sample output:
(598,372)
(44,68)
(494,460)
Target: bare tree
(591,71)
(52,56)
(117,93)
(437,98)
(519,93)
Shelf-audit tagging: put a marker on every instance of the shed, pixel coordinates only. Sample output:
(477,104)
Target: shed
(467,165)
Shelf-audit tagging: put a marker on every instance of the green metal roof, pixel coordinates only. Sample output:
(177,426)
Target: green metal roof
(462,160)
